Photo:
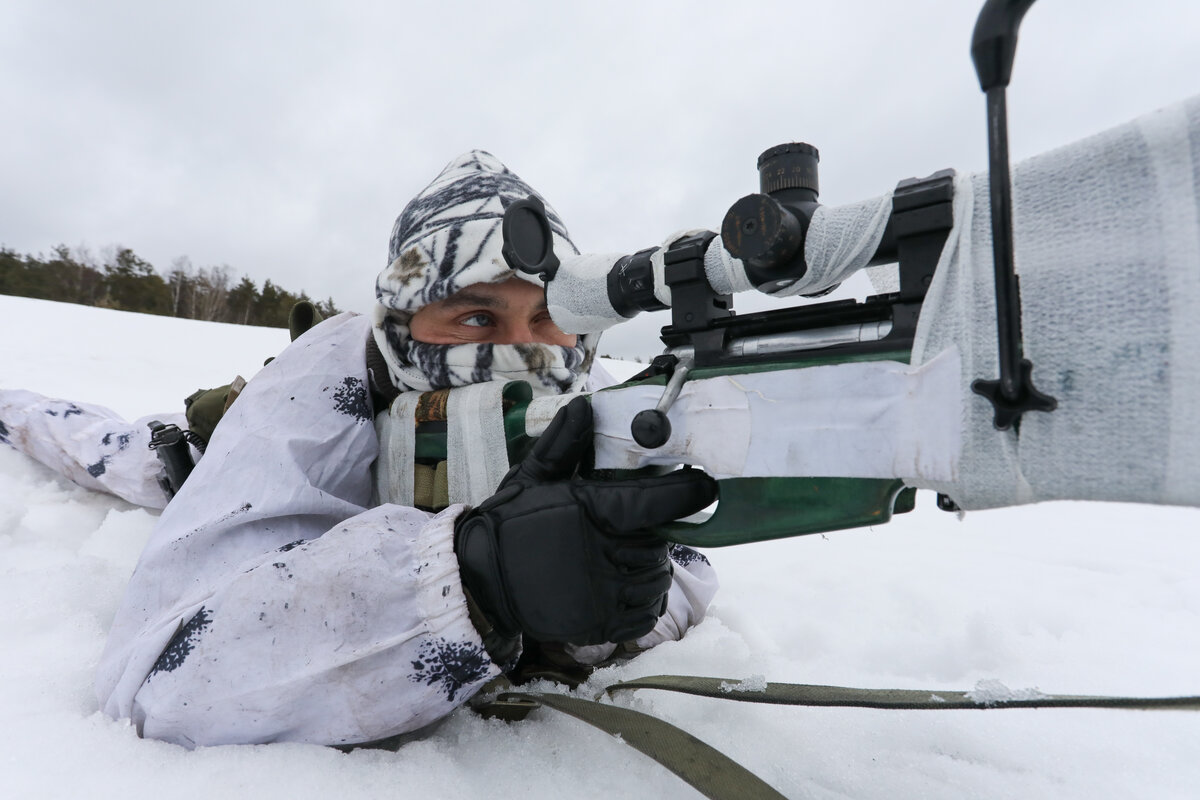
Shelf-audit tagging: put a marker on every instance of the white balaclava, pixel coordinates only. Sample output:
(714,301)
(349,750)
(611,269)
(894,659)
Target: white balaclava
(447,238)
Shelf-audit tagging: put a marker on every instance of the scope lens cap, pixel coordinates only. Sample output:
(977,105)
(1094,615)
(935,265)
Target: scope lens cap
(528,245)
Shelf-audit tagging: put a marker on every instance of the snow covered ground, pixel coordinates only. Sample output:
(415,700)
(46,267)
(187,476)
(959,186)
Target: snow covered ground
(1070,597)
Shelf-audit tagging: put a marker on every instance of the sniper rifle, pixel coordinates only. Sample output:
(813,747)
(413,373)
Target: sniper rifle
(826,416)
(765,234)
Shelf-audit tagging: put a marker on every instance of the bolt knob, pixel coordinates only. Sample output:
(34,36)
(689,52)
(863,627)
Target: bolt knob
(650,428)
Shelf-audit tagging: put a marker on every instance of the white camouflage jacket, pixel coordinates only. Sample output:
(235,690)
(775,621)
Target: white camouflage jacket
(273,604)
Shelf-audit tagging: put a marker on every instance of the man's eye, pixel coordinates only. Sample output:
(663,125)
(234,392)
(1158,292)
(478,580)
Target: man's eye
(477,320)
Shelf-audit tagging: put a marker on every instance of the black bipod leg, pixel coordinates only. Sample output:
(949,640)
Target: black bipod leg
(993,48)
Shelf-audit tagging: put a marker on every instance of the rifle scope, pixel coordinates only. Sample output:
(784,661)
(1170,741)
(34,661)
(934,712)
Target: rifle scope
(761,247)
(766,231)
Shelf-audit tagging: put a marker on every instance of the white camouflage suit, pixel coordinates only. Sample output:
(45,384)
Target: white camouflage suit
(272,603)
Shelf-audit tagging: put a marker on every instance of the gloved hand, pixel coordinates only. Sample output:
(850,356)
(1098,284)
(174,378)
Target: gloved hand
(562,559)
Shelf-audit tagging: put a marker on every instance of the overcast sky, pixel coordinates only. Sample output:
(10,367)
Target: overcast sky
(283,138)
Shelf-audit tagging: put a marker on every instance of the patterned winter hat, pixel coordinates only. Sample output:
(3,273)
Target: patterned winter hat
(447,238)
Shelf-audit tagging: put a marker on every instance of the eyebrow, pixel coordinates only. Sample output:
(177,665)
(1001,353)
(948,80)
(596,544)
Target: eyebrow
(465,297)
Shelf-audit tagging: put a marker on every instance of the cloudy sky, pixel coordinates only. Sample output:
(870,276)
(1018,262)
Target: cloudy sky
(282,139)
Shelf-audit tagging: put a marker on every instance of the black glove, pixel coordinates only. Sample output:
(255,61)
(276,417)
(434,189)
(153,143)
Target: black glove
(562,559)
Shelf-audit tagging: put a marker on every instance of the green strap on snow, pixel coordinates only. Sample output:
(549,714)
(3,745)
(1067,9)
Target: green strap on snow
(706,769)
(719,777)
(799,694)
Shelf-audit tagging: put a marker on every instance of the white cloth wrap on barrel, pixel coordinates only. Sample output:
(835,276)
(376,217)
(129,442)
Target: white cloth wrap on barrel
(1107,246)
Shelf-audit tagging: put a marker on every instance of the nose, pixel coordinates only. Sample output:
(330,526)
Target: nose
(520,333)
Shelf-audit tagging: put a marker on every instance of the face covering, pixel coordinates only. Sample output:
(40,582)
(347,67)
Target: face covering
(447,238)
(421,366)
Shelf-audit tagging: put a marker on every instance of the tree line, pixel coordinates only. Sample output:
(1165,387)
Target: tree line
(121,280)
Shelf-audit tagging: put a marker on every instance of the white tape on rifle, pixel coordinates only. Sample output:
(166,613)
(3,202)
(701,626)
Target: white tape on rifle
(879,419)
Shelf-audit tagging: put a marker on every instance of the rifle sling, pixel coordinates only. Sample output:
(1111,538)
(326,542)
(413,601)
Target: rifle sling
(719,777)
(706,769)
(798,694)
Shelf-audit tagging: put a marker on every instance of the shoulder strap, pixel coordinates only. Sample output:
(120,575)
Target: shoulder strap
(383,391)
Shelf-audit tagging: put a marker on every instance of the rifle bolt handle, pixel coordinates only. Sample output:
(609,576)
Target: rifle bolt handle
(650,428)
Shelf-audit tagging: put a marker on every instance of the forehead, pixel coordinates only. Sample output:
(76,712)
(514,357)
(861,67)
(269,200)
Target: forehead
(513,292)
